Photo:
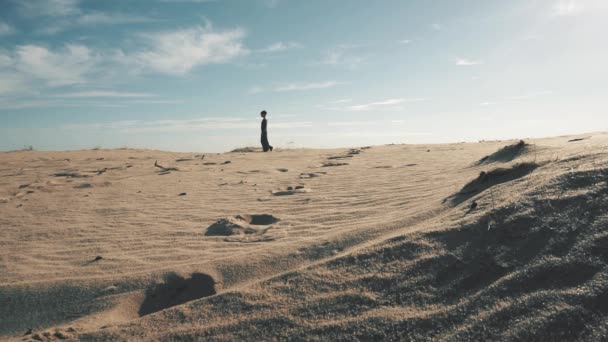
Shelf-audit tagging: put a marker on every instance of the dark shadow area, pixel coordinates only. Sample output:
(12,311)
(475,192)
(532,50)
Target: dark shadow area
(176,290)
(486,180)
(506,153)
(258,220)
(36,308)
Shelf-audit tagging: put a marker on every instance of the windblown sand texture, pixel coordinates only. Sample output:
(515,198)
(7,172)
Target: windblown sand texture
(478,241)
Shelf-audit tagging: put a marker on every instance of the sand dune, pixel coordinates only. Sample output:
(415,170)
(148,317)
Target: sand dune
(481,241)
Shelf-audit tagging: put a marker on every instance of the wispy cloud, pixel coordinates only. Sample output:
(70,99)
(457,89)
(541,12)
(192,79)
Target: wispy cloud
(5,61)
(178,52)
(280,47)
(100,18)
(11,83)
(343,101)
(103,94)
(255,90)
(343,55)
(51,8)
(6,29)
(388,104)
(385,104)
(62,67)
(567,7)
(306,86)
(466,62)
(489,103)
(436,26)
(58,102)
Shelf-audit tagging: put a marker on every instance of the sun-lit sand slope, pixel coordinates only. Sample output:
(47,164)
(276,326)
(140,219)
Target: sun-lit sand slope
(490,240)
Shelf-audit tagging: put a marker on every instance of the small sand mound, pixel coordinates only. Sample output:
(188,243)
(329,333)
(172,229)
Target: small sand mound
(506,153)
(248,149)
(240,225)
(176,290)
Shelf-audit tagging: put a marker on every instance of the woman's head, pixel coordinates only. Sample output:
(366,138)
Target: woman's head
(263,114)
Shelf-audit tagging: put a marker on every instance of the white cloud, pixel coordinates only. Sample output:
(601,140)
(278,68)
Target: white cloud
(64,67)
(343,56)
(100,18)
(280,47)
(6,29)
(343,101)
(255,90)
(51,8)
(5,61)
(306,86)
(103,94)
(437,27)
(466,62)
(11,83)
(405,41)
(567,7)
(178,52)
(388,104)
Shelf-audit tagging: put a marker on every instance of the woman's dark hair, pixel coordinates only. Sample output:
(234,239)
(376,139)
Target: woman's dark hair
(263,112)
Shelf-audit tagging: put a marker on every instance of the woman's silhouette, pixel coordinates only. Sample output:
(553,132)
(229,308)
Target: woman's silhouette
(265,145)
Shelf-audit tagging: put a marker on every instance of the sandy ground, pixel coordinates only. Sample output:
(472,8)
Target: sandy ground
(489,240)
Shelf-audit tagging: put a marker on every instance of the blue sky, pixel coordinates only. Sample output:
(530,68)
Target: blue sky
(193,75)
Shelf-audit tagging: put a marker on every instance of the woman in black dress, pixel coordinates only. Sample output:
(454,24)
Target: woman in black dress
(265,145)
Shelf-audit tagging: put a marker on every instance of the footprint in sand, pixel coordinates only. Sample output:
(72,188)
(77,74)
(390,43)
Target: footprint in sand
(282,170)
(339,157)
(312,175)
(243,228)
(69,175)
(333,164)
(291,190)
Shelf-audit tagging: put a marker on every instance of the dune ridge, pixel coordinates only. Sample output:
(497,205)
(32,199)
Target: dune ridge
(386,246)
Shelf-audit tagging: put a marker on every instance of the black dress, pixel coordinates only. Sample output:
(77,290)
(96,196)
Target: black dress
(265,144)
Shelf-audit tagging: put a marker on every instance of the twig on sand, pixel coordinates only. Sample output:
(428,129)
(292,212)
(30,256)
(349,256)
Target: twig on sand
(165,169)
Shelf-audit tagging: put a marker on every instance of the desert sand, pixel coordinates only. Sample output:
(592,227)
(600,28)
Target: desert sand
(496,240)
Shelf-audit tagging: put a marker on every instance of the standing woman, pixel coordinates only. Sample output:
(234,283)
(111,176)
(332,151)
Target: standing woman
(265,145)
